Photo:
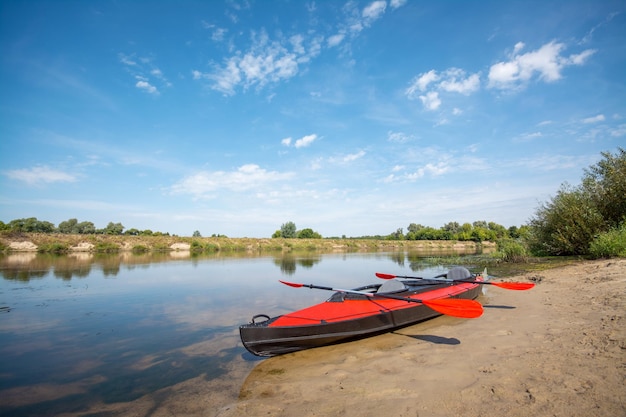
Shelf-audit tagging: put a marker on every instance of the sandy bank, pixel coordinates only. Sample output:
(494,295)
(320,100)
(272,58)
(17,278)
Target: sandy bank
(33,242)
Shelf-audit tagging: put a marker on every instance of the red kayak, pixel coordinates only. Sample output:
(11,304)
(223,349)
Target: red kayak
(362,312)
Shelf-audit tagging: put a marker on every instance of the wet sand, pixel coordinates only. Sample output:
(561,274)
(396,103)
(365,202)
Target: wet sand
(556,350)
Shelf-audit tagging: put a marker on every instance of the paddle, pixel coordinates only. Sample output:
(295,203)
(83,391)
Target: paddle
(467,309)
(520,286)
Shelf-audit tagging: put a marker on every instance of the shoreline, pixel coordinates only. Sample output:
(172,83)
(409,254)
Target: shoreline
(59,243)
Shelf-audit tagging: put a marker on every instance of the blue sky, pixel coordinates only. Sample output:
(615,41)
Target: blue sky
(351,118)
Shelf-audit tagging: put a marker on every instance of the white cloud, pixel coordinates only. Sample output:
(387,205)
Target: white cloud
(146,86)
(452,80)
(518,47)
(246,177)
(354,156)
(266,62)
(545,63)
(527,137)
(619,131)
(397,3)
(595,119)
(297,44)
(421,82)
(127,60)
(140,68)
(398,137)
(269,61)
(335,39)
(40,174)
(374,10)
(433,170)
(217,33)
(305,141)
(581,58)
(431,100)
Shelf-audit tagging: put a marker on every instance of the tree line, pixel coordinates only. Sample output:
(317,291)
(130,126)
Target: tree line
(72,226)
(289,231)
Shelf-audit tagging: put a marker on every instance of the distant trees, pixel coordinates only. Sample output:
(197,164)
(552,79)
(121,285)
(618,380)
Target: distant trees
(114,229)
(478,231)
(308,234)
(31,225)
(289,231)
(71,226)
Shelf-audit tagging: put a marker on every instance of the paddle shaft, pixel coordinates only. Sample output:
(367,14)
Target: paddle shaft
(507,285)
(369,294)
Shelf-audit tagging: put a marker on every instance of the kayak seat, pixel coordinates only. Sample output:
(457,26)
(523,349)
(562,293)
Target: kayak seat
(459,272)
(393,285)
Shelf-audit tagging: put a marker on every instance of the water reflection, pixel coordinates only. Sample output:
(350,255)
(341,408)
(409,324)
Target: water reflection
(288,263)
(25,265)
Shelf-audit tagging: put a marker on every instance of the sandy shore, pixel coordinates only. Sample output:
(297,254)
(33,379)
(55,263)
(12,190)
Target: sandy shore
(558,350)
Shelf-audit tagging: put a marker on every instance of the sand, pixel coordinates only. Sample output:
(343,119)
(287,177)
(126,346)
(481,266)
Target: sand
(556,350)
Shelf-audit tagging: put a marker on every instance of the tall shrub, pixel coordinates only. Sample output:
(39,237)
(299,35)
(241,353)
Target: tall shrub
(569,222)
(565,225)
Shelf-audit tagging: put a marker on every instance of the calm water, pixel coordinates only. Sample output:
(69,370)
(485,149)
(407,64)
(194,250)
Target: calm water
(80,330)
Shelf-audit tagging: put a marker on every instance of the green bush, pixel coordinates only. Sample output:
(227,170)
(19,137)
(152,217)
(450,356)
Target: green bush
(160,247)
(610,244)
(566,224)
(196,247)
(572,220)
(212,247)
(55,247)
(106,247)
(140,249)
(511,250)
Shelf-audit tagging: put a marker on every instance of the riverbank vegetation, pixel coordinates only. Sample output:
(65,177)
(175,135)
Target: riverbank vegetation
(75,243)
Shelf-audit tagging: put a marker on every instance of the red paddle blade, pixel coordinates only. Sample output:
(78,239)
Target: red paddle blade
(385,276)
(466,309)
(514,285)
(291,284)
